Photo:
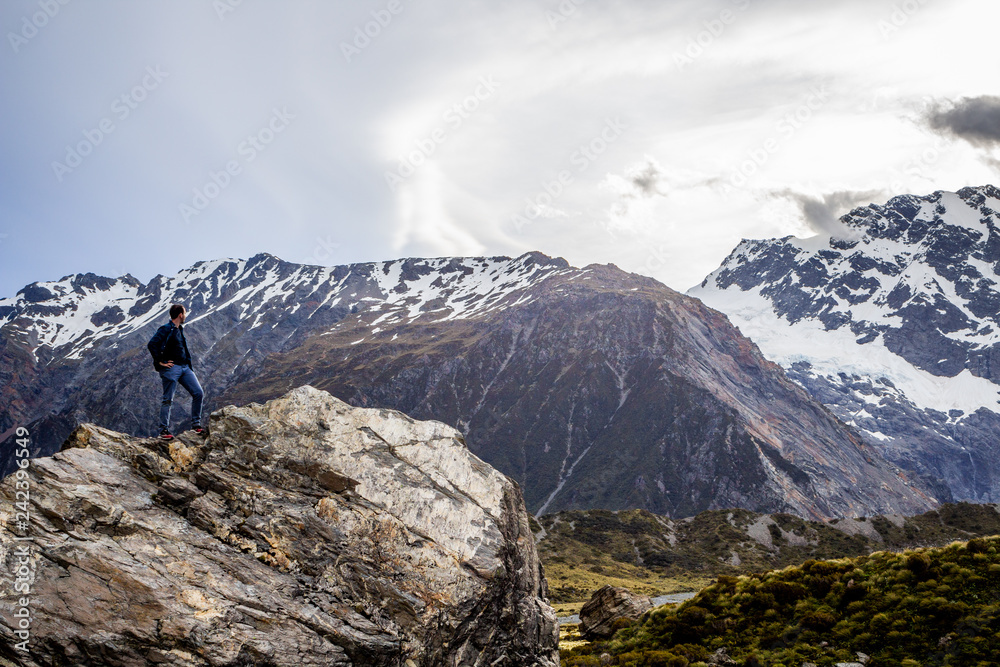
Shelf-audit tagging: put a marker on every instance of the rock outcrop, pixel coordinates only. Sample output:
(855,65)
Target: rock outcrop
(300,532)
(607,605)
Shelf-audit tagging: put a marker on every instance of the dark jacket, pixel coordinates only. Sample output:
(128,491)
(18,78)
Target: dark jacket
(168,344)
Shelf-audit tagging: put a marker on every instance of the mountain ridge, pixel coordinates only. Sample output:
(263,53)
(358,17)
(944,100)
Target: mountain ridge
(590,387)
(896,330)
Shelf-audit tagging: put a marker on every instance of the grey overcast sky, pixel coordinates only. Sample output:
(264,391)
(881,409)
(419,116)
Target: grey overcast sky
(141,137)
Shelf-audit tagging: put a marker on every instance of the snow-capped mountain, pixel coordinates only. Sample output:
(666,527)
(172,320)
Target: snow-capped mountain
(590,387)
(257,306)
(895,326)
(68,318)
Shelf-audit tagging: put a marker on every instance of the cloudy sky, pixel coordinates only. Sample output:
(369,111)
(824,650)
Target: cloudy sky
(141,137)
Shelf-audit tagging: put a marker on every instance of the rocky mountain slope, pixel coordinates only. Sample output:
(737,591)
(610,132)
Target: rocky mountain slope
(302,532)
(606,390)
(590,387)
(894,325)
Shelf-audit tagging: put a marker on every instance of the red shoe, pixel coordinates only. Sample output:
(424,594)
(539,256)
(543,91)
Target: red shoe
(199,430)
(165,435)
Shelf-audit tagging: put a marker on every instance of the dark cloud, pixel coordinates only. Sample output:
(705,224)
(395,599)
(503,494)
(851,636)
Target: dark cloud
(650,179)
(647,179)
(823,213)
(975,119)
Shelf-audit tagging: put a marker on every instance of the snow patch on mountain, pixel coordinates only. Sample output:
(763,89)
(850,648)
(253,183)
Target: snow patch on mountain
(72,315)
(895,330)
(832,352)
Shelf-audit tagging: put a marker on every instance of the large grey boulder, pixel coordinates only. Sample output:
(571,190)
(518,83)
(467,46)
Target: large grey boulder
(301,532)
(607,605)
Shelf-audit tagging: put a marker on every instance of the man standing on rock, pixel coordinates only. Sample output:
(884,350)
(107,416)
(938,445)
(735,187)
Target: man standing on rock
(173,362)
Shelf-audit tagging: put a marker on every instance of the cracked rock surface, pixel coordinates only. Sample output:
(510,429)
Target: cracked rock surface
(300,532)
(607,605)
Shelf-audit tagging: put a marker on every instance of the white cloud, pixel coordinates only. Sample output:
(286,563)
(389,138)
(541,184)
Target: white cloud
(691,128)
(428,224)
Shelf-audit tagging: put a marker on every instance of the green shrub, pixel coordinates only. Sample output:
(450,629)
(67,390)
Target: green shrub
(581,661)
(818,620)
(933,602)
(652,659)
(621,623)
(785,592)
(977,546)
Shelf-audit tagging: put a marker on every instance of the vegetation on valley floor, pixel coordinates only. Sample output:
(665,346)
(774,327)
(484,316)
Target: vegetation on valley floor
(932,606)
(652,555)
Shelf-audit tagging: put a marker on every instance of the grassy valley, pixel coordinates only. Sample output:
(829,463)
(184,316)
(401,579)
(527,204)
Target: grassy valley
(935,606)
(779,590)
(652,555)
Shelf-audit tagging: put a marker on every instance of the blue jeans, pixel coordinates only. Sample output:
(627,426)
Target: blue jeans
(183,375)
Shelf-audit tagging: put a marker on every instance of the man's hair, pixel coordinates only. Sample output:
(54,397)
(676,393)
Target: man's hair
(175,310)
